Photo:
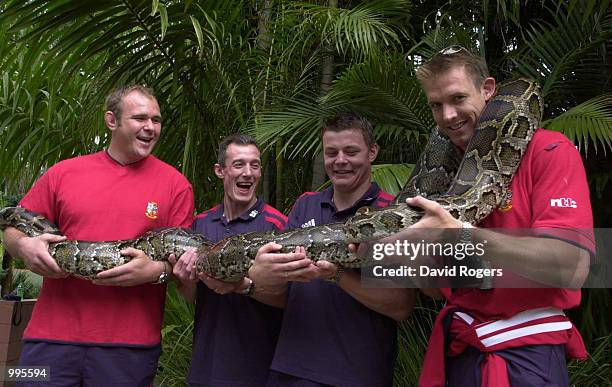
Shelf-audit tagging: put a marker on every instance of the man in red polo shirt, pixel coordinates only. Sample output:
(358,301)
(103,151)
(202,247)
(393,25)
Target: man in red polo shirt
(107,331)
(501,336)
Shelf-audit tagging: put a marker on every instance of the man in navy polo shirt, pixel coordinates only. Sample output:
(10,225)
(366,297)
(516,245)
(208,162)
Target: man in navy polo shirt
(234,335)
(334,331)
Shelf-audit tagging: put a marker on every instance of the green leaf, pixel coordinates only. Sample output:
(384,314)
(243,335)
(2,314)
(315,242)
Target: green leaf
(154,7)
(198,31)
(391,177)
(163,14)
(587,123)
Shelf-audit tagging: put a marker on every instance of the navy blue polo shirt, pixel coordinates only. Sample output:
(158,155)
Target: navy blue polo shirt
(234,335)
(327,336)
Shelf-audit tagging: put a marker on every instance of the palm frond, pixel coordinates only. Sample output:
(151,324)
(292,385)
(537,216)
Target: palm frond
(446,32)
(589,122)
(298,121)
(553,53)
(383,88)
(391,177)
(360,31)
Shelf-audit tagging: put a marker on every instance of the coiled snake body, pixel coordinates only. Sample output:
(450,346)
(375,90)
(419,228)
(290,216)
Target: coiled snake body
(469,187)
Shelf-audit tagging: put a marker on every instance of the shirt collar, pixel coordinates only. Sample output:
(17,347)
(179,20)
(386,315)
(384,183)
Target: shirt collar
(249,214)
(367,199)
(113,161)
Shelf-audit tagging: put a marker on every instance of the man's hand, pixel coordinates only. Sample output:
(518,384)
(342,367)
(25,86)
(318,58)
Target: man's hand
(140,270)
(435,216)
(184,273)
(326,270)
(273,270)
(184,269)
(35,253)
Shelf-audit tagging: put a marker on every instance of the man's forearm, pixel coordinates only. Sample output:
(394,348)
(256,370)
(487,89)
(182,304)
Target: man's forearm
(10,239)
(549,261)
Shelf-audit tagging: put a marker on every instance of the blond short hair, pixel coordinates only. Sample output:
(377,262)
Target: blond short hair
(451,57)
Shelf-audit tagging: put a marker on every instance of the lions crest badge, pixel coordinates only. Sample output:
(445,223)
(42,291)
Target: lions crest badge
(506,204)
(152,209)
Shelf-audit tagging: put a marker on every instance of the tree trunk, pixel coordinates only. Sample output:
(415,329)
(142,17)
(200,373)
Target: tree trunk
(263,42)
(327,76)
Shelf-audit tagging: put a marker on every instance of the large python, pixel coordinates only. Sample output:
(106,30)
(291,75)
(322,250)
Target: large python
(469,187)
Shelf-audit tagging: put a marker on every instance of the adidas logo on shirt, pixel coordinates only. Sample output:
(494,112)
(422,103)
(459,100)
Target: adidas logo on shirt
(310,223)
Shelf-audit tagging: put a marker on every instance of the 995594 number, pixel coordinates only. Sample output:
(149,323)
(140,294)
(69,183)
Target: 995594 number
(24,373)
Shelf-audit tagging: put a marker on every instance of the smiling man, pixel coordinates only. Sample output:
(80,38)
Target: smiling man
(134,136)
(456,102)
(86,333)
(504,336)
(234,334)
(335,332)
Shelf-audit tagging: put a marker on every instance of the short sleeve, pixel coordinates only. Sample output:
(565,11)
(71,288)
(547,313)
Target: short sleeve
(560,201)
(41,197)
(181,214)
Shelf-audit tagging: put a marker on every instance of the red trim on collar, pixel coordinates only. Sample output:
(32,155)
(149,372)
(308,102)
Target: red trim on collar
(277,223)
(207,212)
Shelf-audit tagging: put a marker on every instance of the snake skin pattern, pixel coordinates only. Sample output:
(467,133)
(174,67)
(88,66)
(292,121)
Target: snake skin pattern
(469,187)
(85,259)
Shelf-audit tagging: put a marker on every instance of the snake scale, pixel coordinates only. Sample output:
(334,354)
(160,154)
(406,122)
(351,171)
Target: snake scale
(468,186)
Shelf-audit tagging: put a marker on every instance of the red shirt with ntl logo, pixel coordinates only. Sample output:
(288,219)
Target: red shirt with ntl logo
(94,198)
(549,197)
(549,194)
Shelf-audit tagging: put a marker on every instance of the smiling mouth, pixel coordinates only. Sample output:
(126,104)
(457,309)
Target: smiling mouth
(342,172)
(244,186)
(456,126)
(146,140)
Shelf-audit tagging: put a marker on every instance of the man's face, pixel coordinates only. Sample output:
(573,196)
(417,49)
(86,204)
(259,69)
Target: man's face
(240,174)
(348,160)
(136,132)
(456,103)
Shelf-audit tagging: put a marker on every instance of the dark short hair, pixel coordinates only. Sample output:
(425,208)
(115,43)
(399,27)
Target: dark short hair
(113,100)
(449,58)
(348,121)
(236,139)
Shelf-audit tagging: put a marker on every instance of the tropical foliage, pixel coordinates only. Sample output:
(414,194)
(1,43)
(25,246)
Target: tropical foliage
(276,69)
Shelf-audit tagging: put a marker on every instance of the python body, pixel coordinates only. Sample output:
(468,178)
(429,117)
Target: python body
(469,187)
